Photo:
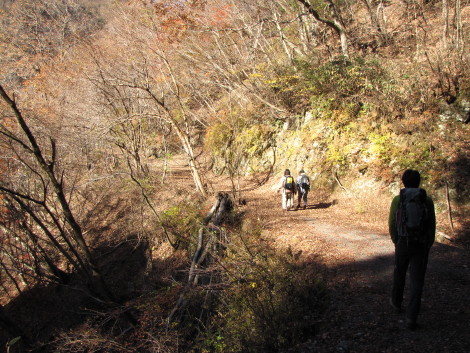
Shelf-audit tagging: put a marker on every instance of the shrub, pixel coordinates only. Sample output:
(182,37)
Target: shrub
(274,301)
(343,80)
(181,221)
(283,85)
(238,147)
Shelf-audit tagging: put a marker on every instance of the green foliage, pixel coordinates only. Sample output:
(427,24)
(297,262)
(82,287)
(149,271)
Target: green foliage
(238,146)
(321,106)
(254,140)
(274,301)
(287,86)
(284,85)
(344,80)
(217,139)
(380,146)
(182,222)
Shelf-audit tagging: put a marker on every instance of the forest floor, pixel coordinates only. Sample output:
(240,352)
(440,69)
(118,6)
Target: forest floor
(357,254)
(346,240)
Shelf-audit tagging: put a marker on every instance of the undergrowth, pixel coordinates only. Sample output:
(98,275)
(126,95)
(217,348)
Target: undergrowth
(251,298)
(364,117)
(272,301)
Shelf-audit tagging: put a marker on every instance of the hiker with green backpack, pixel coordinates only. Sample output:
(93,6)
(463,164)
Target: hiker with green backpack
(412,227)
(289,189)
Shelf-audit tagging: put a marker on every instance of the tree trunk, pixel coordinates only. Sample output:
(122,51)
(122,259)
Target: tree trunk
(372,9)
(191,158)
(445,19)
(459,35)
(205,239)
(281,34)
(334,24)
(184,139)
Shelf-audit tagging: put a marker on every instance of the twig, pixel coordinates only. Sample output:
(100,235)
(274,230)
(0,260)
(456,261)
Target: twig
(339,182)
(149,203)
(449,209)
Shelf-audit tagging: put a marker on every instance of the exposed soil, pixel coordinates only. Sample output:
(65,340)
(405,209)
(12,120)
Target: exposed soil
(357,254)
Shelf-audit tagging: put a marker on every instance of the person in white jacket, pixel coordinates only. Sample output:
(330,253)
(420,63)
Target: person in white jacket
(287,185)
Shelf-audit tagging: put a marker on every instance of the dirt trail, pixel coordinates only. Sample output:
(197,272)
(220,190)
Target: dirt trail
(356,253)
(358,260)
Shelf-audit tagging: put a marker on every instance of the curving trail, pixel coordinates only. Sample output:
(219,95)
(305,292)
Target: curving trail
(355,254)
(358,260)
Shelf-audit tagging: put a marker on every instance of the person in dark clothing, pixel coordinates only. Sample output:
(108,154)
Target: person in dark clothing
(411,245)
(303,187)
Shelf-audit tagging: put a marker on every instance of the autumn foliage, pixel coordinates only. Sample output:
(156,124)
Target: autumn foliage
(106,105)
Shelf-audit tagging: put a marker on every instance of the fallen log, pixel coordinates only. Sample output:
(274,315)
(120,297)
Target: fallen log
(210,238)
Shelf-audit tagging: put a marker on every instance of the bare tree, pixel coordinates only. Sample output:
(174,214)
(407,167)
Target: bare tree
(45,202)
(35,31)
(334,22)
(140,83)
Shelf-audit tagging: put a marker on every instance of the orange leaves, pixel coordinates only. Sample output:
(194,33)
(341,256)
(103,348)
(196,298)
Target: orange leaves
(220,16)
(179,19)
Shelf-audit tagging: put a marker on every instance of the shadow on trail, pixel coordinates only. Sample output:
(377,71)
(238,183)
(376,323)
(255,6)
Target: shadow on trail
(360,319)
(321,205)
(357,319)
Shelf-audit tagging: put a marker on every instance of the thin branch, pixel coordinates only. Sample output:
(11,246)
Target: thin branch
(149,203)
(449,208)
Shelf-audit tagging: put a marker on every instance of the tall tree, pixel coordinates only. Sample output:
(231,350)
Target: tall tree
(139,78)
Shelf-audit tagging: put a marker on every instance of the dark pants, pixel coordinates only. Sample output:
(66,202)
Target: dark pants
(302,196)
(414,255)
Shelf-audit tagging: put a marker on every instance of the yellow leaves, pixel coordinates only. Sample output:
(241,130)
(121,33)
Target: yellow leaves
(216,139)
(284,82)
(381,146)
(253,139)
(256,75)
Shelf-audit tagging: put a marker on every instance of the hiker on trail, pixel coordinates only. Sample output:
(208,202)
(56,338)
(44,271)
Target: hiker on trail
(287,185)
(303,187)
(412,227)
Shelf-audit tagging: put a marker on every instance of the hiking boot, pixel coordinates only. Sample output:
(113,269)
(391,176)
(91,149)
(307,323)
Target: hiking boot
(297,207)
(305,206)
(394,306)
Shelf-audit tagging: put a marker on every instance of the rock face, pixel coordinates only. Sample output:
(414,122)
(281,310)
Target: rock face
(459,111)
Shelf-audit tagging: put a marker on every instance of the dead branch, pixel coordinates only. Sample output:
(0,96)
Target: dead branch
(335,175)
(206,239)
(449,209)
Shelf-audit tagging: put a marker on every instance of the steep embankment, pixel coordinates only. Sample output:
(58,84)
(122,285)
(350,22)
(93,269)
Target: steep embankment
(358,260)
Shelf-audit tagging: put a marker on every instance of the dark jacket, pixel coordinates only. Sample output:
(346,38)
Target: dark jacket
(430,226)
